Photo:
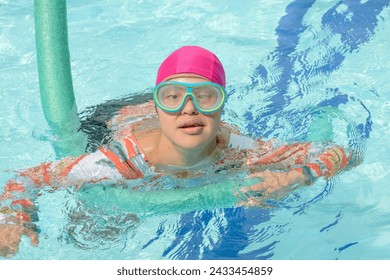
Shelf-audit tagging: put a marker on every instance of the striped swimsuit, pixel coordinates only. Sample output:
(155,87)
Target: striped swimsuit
(123,160)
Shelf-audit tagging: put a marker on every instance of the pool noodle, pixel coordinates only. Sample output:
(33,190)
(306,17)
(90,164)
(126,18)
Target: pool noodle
(145,203)
(60,109)
(55,78)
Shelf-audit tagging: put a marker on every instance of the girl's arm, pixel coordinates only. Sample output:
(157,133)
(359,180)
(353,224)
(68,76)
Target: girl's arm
(18,213)
(293,165)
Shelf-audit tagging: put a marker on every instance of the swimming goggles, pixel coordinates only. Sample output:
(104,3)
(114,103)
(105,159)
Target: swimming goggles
(207,97)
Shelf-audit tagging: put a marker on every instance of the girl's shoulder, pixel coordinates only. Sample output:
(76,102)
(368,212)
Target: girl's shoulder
(233,138)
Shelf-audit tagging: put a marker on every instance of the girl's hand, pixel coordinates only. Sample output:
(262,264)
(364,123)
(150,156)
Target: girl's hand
(335,160)
(272,182)
(10,236)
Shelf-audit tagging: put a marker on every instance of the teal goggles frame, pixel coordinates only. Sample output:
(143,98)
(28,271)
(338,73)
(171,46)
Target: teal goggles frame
(190,93)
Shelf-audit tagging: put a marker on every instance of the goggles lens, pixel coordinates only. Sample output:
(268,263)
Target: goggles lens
(207,97)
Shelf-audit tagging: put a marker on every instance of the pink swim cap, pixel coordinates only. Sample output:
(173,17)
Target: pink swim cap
(193,60)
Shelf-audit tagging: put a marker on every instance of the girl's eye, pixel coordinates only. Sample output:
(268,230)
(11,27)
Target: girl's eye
(172,96)
(204,96)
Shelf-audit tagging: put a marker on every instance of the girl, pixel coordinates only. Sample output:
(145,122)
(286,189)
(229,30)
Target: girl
(180,130)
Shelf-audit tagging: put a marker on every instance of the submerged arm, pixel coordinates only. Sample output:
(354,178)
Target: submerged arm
(18,212)
(295,165)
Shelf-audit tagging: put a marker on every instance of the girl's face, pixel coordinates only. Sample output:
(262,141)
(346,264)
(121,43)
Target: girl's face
(188,129)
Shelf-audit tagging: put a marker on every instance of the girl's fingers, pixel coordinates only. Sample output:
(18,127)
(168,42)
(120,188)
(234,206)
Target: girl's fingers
(32,235)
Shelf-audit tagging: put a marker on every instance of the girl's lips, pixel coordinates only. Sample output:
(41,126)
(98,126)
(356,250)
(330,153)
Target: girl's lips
(191,127)
(190,123)
(192,130)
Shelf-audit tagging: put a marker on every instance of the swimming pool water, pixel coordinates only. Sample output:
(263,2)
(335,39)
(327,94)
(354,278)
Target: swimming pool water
(297,70)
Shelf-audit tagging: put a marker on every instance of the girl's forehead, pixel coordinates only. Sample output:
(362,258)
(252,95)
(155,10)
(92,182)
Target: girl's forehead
(186,77)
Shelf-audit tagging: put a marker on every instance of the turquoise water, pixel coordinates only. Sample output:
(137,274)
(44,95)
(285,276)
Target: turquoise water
(296,70)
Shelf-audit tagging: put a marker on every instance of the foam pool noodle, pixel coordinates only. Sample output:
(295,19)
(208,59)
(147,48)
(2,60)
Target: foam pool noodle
(55,78)
(225,194)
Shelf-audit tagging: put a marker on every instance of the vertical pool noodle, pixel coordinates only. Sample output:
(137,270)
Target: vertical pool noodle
(55,78)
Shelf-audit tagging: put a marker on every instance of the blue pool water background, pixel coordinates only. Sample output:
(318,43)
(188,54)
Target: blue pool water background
(285,61)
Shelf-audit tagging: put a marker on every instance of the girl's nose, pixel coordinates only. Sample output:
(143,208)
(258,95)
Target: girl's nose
(189,107)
